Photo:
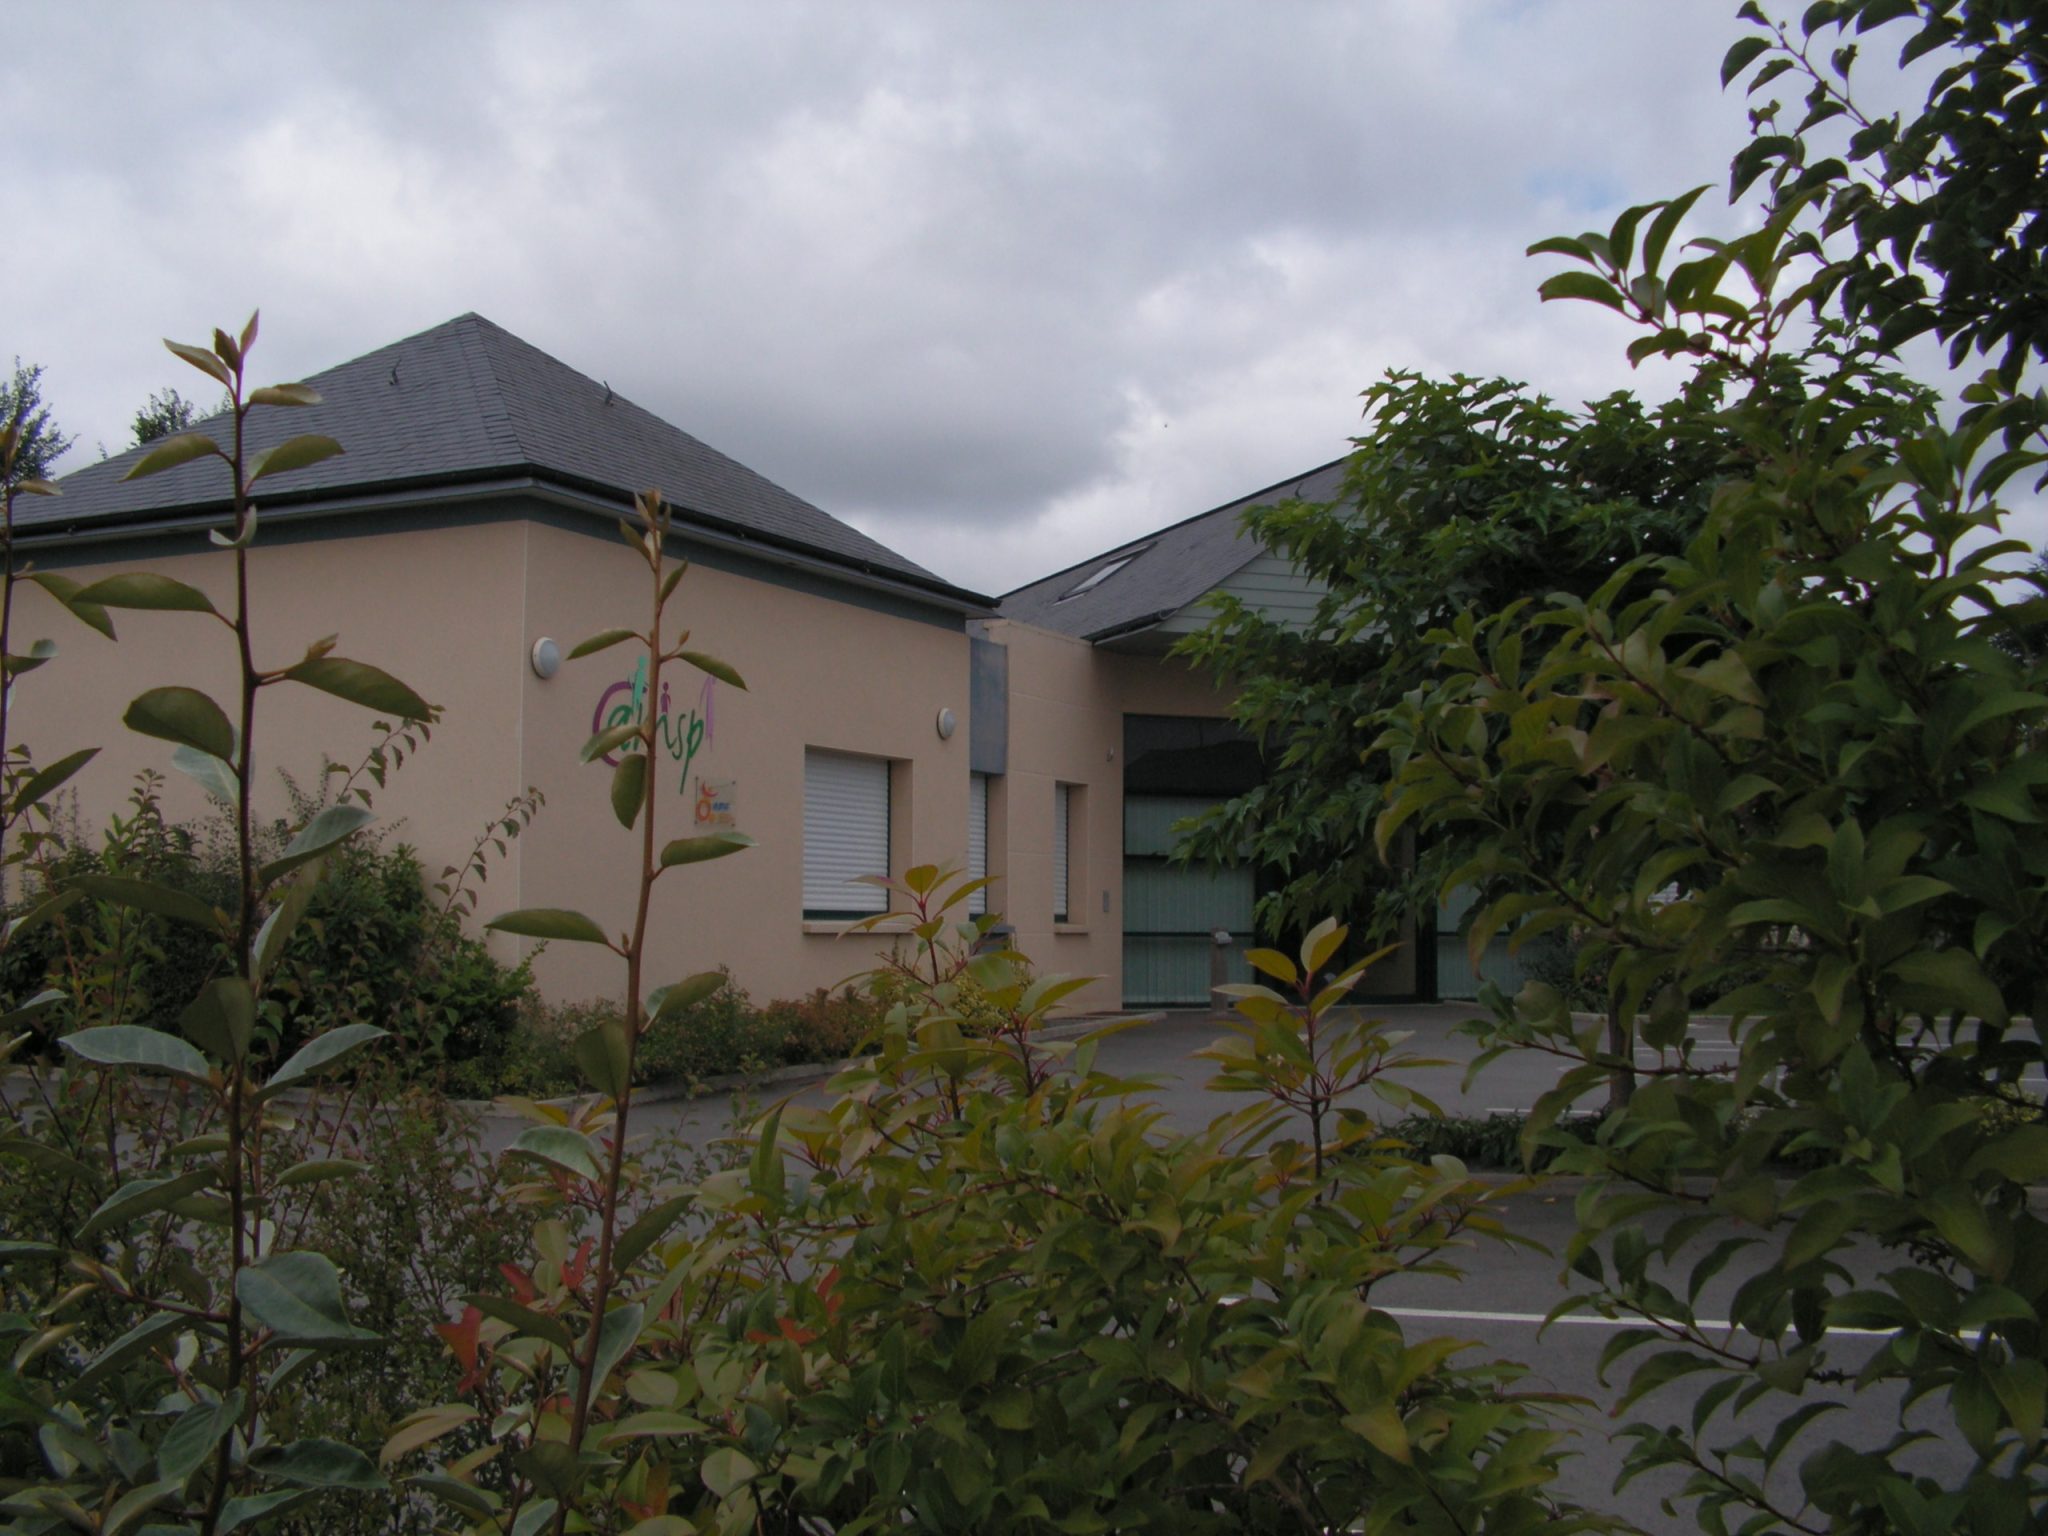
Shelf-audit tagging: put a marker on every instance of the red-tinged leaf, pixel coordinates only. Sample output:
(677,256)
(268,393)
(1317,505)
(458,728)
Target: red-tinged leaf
(461,1337)
(577,1266)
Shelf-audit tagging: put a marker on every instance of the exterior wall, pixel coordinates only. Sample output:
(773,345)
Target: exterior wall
(1067,704)
(454,610)
(820,673)
(428,605)
(1266,584)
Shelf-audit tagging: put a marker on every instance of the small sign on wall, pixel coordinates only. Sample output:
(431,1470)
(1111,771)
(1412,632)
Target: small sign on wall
(715,801)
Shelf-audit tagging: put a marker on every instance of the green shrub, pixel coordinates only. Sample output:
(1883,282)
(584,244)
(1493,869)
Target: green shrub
(372,949)
(721,1035)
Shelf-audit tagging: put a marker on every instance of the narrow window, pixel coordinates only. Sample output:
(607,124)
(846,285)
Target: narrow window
(846,833)
(977,840)
(1060,844)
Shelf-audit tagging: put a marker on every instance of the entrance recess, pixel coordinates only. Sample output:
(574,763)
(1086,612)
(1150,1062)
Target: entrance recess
(1177,767)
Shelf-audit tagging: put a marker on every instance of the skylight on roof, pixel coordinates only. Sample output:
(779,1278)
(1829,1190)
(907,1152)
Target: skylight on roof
(1102,573)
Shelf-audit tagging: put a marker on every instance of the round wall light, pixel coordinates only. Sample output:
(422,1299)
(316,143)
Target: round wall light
(948,723)
(547,658)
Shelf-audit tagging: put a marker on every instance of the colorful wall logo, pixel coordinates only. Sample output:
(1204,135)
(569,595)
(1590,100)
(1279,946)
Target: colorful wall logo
(681,736)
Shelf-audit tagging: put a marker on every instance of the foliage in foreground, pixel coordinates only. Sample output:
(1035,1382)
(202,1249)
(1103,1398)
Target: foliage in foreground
(987,1289)
(1795,769)
(160,1327)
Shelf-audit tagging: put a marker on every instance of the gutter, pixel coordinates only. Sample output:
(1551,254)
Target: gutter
(575,493)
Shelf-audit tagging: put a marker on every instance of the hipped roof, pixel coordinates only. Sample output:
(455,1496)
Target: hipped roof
(465,403)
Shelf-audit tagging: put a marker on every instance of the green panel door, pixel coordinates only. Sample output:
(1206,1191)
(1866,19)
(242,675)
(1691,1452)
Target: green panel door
(1171,910)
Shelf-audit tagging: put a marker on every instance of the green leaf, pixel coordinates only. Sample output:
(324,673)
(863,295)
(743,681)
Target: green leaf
(43,911)
(602,641)
(649,1228)
(131,1045)
(1380,1427)
(297,1295)
(151,1331)
(293,453)
(1740,56)
(221,1018)
(251,1508)
(549,923)
(211,773)
(144,589)
(726,1469)
(47,998)
(695,850)
(137,1502)
(148,896)
(1274,964)
(538,1325)
(616,1335)
(711,664)
(44,780)
(563,1148)
(321,1052)
(242,540)
(360,683)
(182,715)
(629,787)
(765,1176)
(331,826)
(66,591)
(285,394)
(144,1197)
(1580,285)
(317,1170)
(608,741)
(534,1518)
(318,1464)
(169,453)
(679,996)
(39,654)
(601,1053)
(188,1442)
(1665,225)
(285,917)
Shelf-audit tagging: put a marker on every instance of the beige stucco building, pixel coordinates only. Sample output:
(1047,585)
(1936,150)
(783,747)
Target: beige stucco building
(890,717)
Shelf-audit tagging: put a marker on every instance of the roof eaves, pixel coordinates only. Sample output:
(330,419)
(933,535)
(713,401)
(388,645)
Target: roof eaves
(212,509)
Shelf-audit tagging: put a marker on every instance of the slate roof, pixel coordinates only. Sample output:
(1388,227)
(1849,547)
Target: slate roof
(468,402)
(1173,568)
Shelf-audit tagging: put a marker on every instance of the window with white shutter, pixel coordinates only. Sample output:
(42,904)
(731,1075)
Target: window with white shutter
(977,840)
(1060,844)
(846,833)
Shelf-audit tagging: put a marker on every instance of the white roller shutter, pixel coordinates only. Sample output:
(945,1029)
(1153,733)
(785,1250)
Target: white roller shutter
(1059,853)
(846,832)
(977,840)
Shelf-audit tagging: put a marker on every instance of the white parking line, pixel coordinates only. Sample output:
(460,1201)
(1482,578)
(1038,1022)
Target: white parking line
(1590,1320)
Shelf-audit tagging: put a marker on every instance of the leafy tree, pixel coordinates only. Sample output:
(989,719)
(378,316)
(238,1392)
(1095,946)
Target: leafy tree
(165,412)
(40,442)
(1464,493)
(1814,722)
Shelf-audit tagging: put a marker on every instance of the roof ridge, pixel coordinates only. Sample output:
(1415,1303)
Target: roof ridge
(494,400)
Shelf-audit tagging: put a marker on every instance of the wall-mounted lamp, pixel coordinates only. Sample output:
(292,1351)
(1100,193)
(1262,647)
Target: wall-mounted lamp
(948,722)
(546,658)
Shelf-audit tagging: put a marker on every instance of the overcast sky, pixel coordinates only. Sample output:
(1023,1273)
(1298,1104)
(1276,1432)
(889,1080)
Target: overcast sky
(1003,285)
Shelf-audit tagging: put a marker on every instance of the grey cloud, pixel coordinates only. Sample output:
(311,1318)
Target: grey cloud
(935,267)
